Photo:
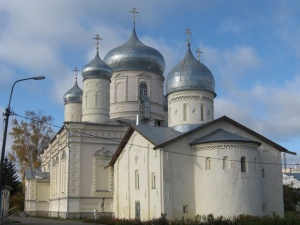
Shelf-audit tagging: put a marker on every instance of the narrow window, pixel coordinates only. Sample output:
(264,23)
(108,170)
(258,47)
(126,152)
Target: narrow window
(185,108)
(185,209)
(137,180)
(264,207)
(263,172)
(153,181)
(143,90)
(202,112)
(243,164)
(226,163)
(208,164)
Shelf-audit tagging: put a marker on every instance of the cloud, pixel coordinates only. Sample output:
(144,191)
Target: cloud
(269,109)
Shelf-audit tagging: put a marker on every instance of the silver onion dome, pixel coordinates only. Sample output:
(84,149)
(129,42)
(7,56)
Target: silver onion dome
(74,95)
(190,74)
(96,69)
(134,55)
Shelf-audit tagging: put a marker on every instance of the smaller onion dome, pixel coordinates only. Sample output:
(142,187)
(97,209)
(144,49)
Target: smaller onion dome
(96,69)
(74,95)
(133,55)
(190,74)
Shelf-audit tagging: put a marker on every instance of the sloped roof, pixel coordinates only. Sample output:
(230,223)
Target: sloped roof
(162,136)
(36,175)
(222,135)
(157,135)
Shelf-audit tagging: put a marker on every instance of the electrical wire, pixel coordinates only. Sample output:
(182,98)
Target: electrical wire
(162,150)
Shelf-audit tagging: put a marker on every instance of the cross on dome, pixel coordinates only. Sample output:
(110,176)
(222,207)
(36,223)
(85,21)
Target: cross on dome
(76,70)
(188,34)
(98,39)
(134,12)
(198,51)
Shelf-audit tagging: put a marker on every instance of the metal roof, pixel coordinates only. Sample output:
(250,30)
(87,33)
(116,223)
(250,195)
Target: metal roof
(221,135)
(96,69)
(74,95)
(133,55)
(190,74)
(157,135)
(294,175)
(36,175)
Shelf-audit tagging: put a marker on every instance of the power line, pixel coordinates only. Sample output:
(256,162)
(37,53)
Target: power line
(162,150)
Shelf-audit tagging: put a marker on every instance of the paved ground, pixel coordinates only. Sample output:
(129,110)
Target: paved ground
(17,220)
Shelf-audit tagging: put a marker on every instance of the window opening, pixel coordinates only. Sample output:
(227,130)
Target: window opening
(153,181)
(143,90)
(208,164)
(137,180)
(185,209)
(243,164)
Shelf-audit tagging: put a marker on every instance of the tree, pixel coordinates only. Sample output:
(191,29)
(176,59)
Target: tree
(291,197)
(30,139)
(10,176)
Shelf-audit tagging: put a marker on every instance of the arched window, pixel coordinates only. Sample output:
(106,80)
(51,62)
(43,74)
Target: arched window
(226,163)
(243,164)
(208,164)
(143,90)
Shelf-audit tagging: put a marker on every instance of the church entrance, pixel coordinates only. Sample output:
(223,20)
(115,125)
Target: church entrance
(137,210)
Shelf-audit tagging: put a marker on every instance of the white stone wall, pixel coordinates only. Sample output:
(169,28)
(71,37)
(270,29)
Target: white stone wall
(137,175)
(95,100)
(124,91)
(220,182)
(73,112)
(76,160)
(190,107)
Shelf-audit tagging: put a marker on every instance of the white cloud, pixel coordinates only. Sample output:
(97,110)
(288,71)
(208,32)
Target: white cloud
(272,110)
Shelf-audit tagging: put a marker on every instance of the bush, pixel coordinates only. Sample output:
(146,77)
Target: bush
(290,219)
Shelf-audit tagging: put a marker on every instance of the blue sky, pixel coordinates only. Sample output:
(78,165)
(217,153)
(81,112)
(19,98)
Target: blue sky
(251,47)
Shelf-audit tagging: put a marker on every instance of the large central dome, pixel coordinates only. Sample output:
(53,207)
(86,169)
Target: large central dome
(134,55)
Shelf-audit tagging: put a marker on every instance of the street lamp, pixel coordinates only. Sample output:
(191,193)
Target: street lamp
(6,115)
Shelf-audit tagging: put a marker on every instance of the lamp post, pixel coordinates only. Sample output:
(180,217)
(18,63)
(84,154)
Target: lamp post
(6,115)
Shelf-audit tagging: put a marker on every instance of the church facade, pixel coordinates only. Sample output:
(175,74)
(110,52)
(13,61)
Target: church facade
(128,151)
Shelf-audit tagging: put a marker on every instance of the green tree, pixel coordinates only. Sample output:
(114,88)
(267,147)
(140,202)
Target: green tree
(291,198)
(30,138)
(10,176)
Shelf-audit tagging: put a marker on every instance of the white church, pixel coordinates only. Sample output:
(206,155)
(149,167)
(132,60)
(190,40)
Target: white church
(128,151)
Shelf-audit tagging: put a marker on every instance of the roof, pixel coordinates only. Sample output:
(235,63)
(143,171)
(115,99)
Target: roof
(190,74)
(294,175)
(162,136)
(224,136)
(36,175)
(133,55)
(157,135)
